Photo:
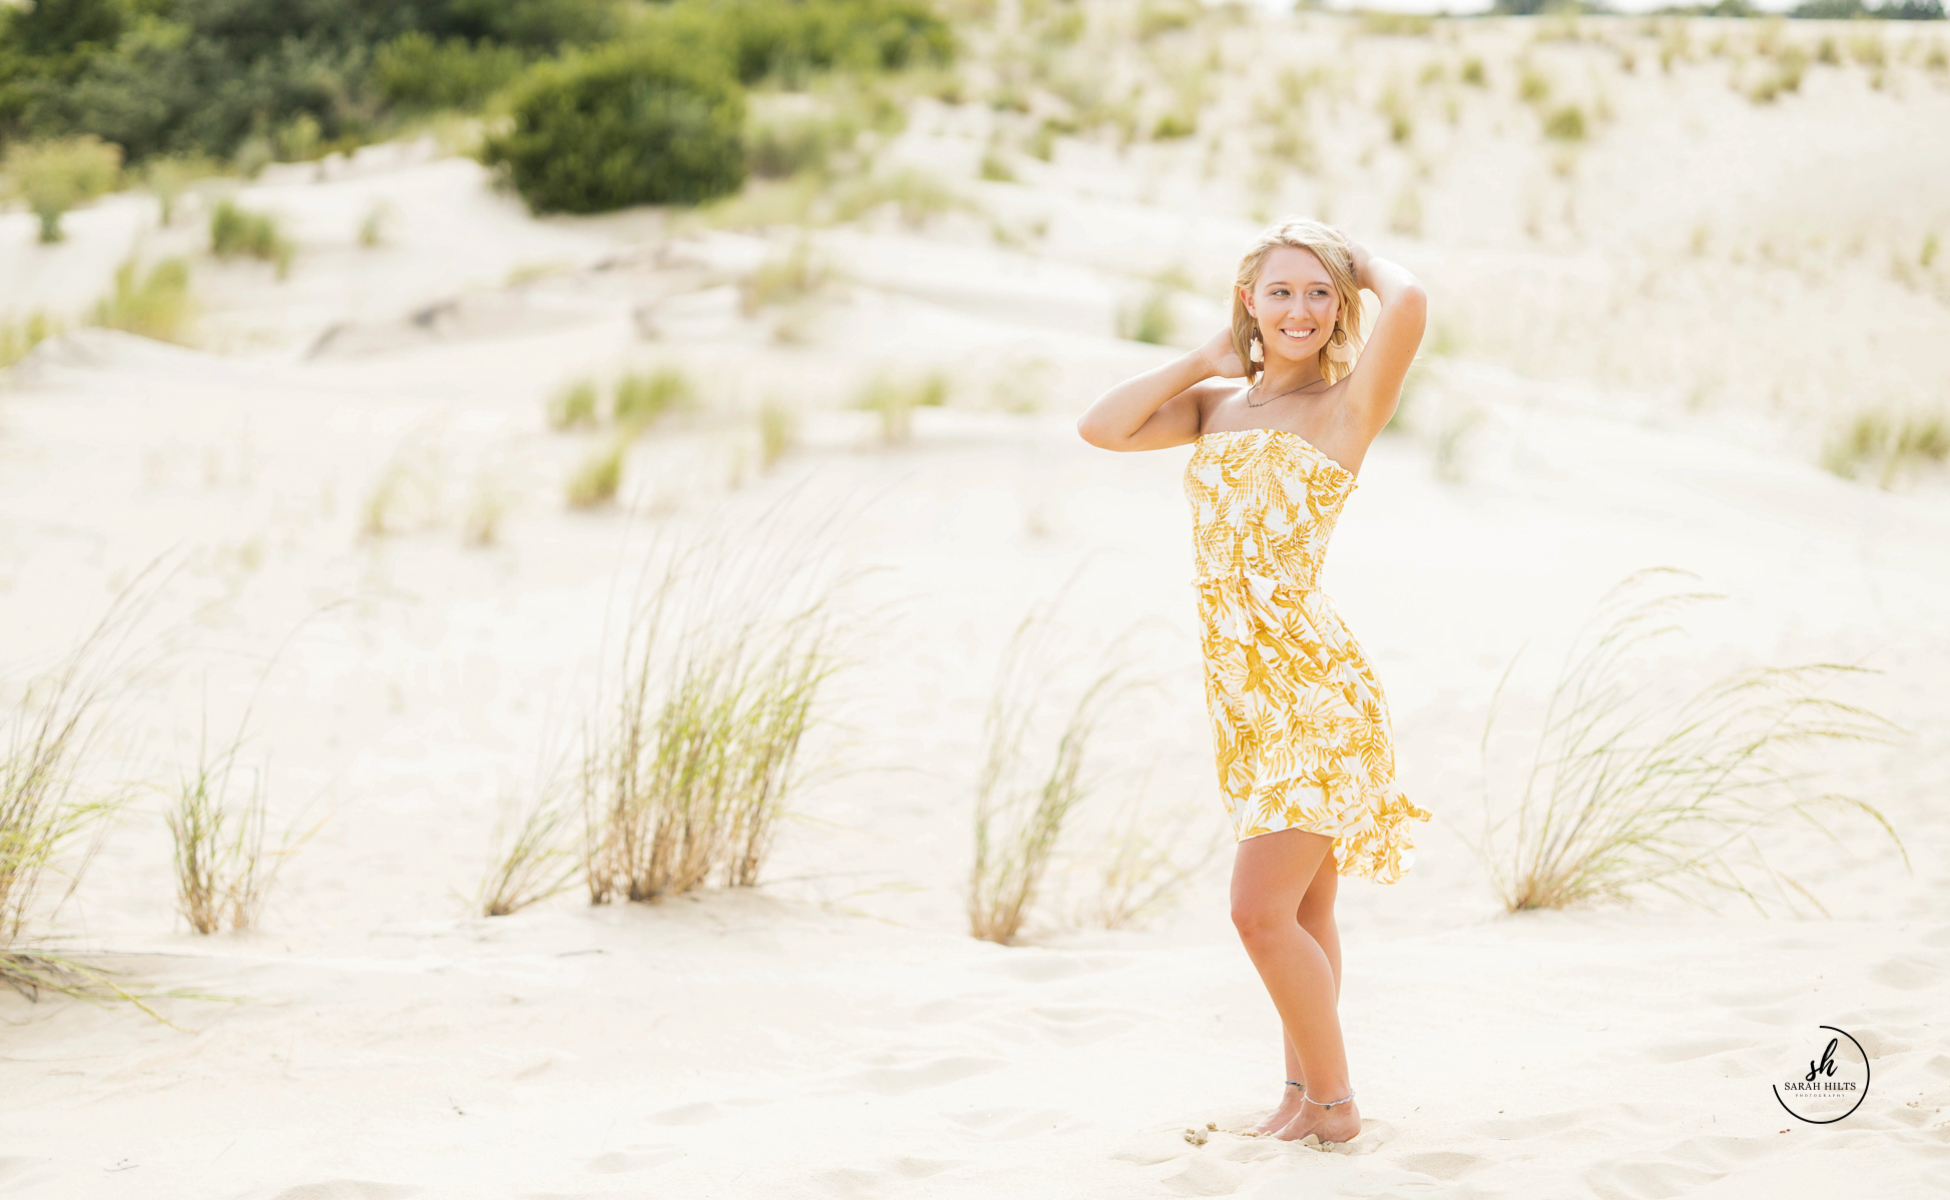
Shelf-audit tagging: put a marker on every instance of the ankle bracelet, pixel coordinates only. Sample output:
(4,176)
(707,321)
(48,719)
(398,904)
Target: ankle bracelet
(1296,1083)
(1326,1103)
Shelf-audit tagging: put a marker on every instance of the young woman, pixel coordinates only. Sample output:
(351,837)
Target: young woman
(1299,723)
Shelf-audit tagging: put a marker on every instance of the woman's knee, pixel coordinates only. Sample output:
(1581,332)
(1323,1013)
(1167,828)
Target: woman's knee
(1257,921)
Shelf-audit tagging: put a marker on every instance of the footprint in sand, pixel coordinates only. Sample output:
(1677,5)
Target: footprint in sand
(1441,1164)
(1010,1124)
(857,1183)
(898,1081)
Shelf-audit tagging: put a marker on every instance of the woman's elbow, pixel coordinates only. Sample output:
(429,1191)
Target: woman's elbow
(1095,434)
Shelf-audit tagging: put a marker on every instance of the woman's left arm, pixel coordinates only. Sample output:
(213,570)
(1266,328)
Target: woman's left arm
(1375,387)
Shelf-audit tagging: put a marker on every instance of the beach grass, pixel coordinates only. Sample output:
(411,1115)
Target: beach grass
(155,305)
(596,481)
(893,400)
(1884,444)
(56,800)
(236,231)
(1028,788)
(643,398)
(573,406)
(534,855)
(692,756)
(1627,791)
(224,872)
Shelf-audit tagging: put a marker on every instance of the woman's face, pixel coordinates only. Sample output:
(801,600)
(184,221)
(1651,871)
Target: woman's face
(1295,302)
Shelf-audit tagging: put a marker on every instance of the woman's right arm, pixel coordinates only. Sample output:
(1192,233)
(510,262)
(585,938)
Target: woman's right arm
(1161,407)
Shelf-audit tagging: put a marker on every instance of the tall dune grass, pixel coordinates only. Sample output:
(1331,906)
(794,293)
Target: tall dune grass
(217,826)
(223,872)
(693,756)
(533,858)
(1626,791)
(1143,870)
(54,807)
(1029,789)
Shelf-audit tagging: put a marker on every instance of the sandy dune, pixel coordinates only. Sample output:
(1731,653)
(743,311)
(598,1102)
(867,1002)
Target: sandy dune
(835,1033)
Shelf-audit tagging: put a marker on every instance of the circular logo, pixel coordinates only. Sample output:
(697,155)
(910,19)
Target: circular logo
(1832,1084)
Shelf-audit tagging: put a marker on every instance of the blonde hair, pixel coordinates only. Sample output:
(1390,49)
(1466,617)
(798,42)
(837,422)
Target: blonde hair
(1327,244)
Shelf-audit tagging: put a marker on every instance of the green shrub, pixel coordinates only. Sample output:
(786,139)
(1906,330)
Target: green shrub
(414,71)
(790,38)
(633,124)
(53,177)
(174,76)
(641,399)
(238,231)
(156,305)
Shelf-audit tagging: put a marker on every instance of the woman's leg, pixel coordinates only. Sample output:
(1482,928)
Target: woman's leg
(1271,878)
(1316,916)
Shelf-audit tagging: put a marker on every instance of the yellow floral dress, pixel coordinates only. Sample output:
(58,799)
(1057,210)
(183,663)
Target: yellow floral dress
(1299,723)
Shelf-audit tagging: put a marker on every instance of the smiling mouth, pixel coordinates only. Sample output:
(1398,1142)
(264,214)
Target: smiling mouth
(1298,335)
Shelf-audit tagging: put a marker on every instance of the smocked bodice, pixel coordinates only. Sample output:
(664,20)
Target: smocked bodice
(1264,503)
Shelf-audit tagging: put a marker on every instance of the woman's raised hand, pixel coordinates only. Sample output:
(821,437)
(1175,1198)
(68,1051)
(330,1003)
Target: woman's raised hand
(1218,354)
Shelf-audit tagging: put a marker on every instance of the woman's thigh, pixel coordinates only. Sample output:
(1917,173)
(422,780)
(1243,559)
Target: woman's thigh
(1273,872)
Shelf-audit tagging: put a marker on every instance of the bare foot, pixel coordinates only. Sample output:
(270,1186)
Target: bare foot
(1341,1123)
(1289,1108)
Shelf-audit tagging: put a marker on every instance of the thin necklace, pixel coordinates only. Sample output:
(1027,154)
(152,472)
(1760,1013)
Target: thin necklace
(1263,403)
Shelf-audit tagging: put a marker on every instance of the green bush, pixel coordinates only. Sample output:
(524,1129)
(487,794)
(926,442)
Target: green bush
(415,72)
(642,123)
(180,76)
(53,177)
(791,38)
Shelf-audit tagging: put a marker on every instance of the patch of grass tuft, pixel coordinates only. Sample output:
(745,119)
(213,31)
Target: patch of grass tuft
(1566,124)
(1885,444)
(894,399)
(1628,790)
(236,231)
(646,397)
(19,337)
(596,481)
(156,305)
(573,406)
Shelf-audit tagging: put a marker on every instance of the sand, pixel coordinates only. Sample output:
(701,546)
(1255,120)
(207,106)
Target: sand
(835,1032)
